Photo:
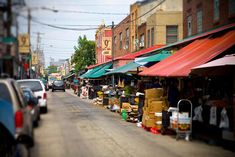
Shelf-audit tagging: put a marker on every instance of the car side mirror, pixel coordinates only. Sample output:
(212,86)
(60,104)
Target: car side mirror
(39,97)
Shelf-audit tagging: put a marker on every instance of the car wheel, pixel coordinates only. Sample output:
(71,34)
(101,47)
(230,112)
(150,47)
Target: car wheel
(45,109)
(39,117)
(22,151)
(35,123)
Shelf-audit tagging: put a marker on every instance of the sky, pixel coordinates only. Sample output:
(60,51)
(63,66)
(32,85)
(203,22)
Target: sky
(58,43)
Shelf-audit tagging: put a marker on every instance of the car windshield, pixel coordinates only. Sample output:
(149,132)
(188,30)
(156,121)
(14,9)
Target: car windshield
(58,83)
(4,93)
(33,85)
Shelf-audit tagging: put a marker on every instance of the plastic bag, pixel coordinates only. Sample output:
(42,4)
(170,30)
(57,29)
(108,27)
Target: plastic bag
(198,114)
(224,121)
(213,116)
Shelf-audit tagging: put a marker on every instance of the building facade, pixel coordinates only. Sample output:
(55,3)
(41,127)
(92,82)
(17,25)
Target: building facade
(164,27)
(122,38)
(202,15)
(103,40)
(156,14)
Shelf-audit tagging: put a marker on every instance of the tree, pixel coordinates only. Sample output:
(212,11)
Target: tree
(84,53)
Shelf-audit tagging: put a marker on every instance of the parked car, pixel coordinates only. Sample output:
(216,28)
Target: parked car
(33,106)
(16,130)
(45,82)
(38,88)
(58,85)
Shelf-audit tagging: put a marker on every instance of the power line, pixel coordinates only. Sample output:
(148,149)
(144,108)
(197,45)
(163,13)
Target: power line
(58,27)
(146,12)
(82,12)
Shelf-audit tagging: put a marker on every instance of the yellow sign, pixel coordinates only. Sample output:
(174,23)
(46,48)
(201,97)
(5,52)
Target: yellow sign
(106,45)
(34,59)
(23,40)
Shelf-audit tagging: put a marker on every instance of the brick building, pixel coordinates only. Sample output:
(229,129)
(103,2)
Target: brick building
(202,15)
(122,38)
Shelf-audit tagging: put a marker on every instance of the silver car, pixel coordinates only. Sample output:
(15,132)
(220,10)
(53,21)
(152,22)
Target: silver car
(33,106)
(15,120)
(38,88)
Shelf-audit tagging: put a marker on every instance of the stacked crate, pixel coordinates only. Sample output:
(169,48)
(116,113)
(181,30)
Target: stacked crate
(153,106)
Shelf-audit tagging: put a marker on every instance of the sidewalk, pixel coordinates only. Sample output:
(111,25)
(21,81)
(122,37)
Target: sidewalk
(71,92)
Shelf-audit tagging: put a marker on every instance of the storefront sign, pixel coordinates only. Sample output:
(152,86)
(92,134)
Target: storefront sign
(106,46)
(34,59)
(24,46)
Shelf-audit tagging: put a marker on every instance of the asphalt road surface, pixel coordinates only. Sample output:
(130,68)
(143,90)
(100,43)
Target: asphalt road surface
(76,128)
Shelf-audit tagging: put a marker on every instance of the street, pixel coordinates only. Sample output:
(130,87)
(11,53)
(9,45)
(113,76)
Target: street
(74,127)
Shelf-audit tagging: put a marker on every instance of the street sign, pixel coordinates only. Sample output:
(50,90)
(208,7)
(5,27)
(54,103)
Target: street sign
(24,44)
(106,45)
(34,59)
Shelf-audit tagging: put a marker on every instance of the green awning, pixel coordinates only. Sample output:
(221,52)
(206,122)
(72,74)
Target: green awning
(156,58)
(124,68)
(101,71)
(91,71)
(8,40)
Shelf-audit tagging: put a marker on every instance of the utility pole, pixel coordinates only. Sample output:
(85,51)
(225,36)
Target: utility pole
(113,83)
(29,31)
(38,52)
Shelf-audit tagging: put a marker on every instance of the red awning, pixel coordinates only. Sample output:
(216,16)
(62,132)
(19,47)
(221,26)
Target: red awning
(196,53)
(132,56)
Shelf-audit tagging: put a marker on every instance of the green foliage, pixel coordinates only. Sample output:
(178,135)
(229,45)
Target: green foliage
(84,53)
(52,69)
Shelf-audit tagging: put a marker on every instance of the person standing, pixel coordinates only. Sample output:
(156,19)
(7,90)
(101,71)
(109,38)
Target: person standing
(173,93)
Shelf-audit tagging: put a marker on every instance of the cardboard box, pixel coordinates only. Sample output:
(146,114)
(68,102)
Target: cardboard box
(153,93)
(155,106)
(150,100)
(150,115)
(146,102)
(158,126)
(150,122)
(126,105)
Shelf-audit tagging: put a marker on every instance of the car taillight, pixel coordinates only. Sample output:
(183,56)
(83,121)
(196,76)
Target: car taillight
(45,96)
(19,119)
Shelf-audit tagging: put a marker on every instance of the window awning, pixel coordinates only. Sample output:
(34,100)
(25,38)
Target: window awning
(156,58)
(100,72)
(124,68)
(90,71)
(132,56)
(196,53)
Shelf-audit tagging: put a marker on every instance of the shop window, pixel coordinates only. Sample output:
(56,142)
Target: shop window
(141,40)
(152,36)
(127,38)
(216,10)
(149,39)
(231,7)
(199,21)
(171,34)
(133,42)
(189,25)
(120,41)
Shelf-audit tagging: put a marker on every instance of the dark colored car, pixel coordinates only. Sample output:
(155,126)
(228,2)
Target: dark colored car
(33,105)
(58,85)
